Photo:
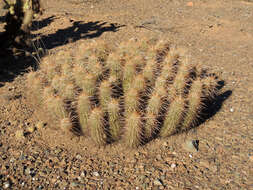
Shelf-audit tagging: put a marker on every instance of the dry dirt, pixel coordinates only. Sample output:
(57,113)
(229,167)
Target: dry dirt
(218,35)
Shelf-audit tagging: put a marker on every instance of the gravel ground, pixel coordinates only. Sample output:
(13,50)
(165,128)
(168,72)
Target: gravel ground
(218,35)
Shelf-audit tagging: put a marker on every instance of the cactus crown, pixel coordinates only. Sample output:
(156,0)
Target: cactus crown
(131,94)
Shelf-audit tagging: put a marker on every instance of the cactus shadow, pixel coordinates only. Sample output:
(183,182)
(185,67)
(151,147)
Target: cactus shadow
(12,65)
(2,19)
(77,31)
(37,25)
(213,106)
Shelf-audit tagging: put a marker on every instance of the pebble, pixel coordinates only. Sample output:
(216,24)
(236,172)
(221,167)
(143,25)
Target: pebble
(158,182)
(231,110)
(173,165)
(19,134)
(31,129)
(83,174)
(79,157)
(96,174)
(191,145)
(6,185)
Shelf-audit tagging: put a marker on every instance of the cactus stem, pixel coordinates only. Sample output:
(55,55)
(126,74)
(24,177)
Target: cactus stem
(173,117)
(113,109)
(133,130)
(97,126)
(83,109)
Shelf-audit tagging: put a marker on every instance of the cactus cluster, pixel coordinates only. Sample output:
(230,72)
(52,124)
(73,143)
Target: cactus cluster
(131,93)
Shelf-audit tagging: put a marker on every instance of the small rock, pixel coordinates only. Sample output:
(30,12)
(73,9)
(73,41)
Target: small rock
(74,184)
(83,174)
(191,145)
(79,157)
(6,185)
(158,182)
(96,174)
(40,125)
(57,151)
(31,129)
(20,134)
(27,171)
(231,109)
(165,144)
(159,157)
(173,165)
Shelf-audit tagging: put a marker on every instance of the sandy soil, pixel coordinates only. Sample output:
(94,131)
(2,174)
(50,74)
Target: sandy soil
(218,35)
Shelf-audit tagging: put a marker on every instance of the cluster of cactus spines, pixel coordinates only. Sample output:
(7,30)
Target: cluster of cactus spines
(130,93)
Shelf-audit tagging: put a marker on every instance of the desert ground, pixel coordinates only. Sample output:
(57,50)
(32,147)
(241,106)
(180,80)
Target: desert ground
(218,35)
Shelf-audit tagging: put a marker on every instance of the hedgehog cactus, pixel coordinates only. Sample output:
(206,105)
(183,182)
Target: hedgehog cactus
(131,94)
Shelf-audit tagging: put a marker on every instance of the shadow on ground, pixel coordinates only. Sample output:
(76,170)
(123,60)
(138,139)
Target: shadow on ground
(13,64)
(79,30)
(37,25)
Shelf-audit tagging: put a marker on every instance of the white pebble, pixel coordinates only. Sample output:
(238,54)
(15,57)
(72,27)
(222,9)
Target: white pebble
(190,155)
(231,109)
(173,165)
(96,174)
(6,185)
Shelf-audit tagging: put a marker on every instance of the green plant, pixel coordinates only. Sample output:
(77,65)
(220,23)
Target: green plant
(131,93)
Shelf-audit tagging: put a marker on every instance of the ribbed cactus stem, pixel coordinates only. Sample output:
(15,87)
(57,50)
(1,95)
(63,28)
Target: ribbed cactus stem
(95,68)
(127,48)
(133,130)
(173,117)
(101,50)
(68,92)
(128,75)
(65,124)
(48,92)
(105,92)
(113,109)
(55,106)
(132,102)
(182,76)
(154,103)
(161,91)
(114,65)
(66,70)
(51,69)
(194,104)
(148,71)
(97,126)
(83,110)
(58,83)
(209,86)
(161,46)
(88,84)
(160,82)
(166,71)
(151,124)
(36,86)
(139,83)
